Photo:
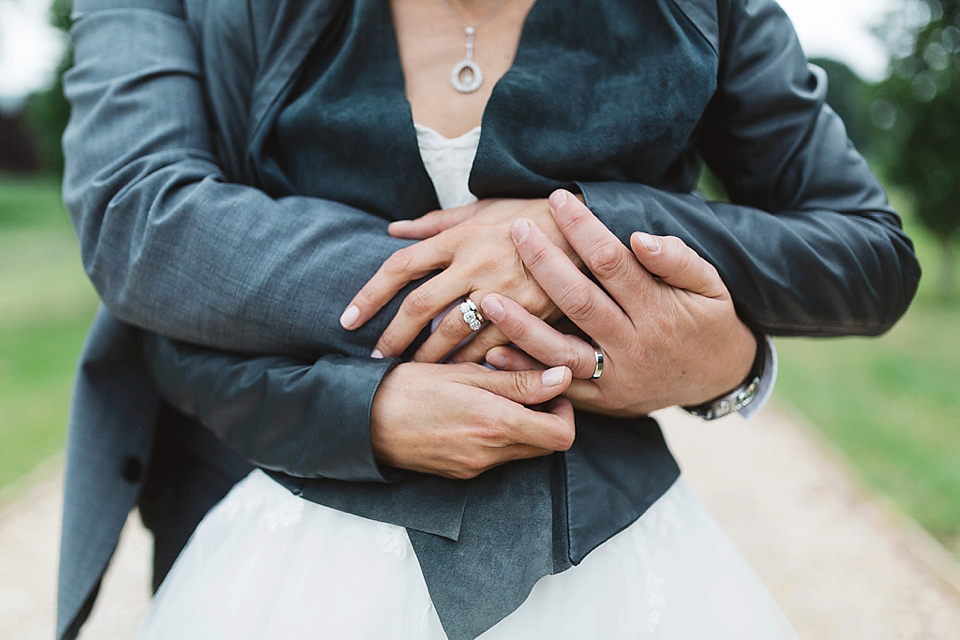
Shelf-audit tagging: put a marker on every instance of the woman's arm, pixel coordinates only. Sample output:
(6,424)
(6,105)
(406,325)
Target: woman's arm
(338,417)
(809,245)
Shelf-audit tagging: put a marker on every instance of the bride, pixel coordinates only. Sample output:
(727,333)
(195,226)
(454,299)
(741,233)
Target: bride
(484,505)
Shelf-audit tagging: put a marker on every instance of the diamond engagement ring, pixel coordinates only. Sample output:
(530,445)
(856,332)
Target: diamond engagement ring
(471,315)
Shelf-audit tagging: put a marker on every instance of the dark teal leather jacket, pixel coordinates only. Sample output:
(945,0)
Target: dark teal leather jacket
(173,106)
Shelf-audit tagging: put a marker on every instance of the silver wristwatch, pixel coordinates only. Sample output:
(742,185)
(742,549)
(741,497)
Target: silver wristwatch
(739,397)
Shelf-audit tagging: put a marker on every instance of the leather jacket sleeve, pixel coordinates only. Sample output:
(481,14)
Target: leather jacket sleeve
(809,244)
(305,419)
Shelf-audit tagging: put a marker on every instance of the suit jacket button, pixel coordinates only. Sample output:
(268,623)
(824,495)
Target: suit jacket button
(132,470)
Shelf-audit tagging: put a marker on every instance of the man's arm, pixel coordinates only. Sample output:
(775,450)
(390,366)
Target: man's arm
(168,243)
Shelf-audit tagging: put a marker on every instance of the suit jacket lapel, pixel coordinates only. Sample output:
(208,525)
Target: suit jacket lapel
(288,31)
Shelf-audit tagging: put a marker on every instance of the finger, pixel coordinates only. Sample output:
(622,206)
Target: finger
(420,306)
(552,427)
(400,268)
(511,359)
(537,338)
(432,223)
(483,341)
(523,387)
(586,304)
(584,393)
(602,252)
(451,331)
(676,264)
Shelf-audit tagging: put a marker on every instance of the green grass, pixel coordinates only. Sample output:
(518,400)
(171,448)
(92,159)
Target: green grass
(892,404)
(30,201)
(46,305)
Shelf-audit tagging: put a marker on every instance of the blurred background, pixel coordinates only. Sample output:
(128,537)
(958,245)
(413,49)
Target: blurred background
(891,405)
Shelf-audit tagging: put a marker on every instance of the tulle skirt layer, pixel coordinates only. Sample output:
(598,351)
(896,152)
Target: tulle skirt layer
(267,564)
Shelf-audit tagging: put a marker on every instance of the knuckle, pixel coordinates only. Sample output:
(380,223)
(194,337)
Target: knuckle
(388,344)
(607,259)
(577,302)
(419,303)
(565,437)
(476,464)
(578,215)
(453,328)
(524,384)
(538,255)
(464,472)
(579,363)
(366,298)
(398,263)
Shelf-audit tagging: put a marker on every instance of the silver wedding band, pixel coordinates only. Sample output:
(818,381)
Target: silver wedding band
(598,354)
(471,315)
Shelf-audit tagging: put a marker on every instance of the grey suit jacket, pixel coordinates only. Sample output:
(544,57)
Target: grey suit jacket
(170,101)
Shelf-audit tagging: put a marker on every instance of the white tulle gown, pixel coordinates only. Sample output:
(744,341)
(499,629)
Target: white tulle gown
(266,564)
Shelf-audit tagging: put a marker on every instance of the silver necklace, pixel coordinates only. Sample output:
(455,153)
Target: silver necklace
(466,76)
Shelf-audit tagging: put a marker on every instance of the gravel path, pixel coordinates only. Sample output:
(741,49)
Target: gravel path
(841,563)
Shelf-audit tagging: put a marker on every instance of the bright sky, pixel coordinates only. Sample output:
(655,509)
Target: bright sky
(840,29)
(30,50)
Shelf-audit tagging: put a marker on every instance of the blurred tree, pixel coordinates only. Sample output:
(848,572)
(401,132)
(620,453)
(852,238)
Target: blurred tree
(919,104)
(48,111)
(18,149)
(850,96)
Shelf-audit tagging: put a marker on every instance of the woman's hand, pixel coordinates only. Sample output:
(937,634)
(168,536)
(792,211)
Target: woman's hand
(475,255)
(669,332)
(460,420)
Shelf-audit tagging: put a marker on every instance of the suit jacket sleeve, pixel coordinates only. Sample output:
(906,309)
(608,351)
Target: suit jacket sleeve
(810,245)
(169,243)
(174,248)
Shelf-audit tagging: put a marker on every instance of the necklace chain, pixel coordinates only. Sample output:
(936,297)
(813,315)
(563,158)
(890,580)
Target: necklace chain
(466,27)
(467,76)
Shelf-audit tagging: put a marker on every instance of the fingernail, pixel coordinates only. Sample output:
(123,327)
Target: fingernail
(558,198)
(492,308)
(376,354)
(350,317)
(398,224)
(520,229)
(498,360)
(552,377)
(650,243)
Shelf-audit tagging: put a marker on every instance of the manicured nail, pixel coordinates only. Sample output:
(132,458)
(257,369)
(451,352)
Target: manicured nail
(376,354)
(492,308)
(520,229)
(398,225)
(552,377)
(650,243)
(350,317)
(498,360)
(558,198)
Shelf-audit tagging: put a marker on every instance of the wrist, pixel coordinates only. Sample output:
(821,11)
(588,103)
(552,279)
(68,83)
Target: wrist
(740,396)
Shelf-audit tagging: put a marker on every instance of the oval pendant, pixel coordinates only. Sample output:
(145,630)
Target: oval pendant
(466,77)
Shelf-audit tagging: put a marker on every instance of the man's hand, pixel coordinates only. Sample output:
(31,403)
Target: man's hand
(668,326)
(460,420)
(473,251)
